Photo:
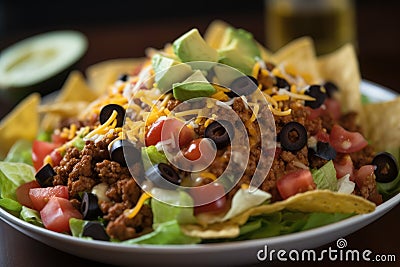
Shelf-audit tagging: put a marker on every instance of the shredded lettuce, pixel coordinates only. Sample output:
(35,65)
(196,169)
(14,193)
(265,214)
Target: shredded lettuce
(166,233)
(163,212)
(11,206)
(151,156)
(79,143)
(325,177)
(21,151)
(389,190)
(31,216)
(284,222)
(12,175)
(76,226)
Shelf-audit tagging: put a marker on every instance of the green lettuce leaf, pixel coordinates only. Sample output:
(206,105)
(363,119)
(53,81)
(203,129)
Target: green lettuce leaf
(151,156)
(10,205)
(325,177)
(285,222)
(166,233)
(13,175)
(21,151)
(389,190)
(76,226)
(31,216)
(162,212)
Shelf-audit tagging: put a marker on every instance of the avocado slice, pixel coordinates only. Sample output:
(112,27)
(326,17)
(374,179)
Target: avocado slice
(169,71)
(40,63)
(194,86)
(192,47)
(239,50)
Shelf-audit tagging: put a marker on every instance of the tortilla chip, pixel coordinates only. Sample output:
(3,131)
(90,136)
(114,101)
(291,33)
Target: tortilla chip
(21,123)
(102,74)
(67,109)
(341,67)
(220,230)
(313,201)
(381,124)
(76,89)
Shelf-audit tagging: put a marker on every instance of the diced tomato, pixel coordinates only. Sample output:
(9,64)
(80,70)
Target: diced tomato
(153,135)
(295,182)
(362,173)
(56,158)
(364,177)
(56,214)
(22,193)
(344,141)
(200,148)
(315,113)
(322,136)
(58,140)
(203,194)
(164,129)
(40,196)
(40,149)
(344,165)
(333,108)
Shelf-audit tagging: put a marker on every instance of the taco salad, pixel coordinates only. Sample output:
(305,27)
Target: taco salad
(211,138)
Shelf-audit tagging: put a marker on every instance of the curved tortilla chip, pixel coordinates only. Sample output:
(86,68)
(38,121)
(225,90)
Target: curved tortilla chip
(102,74)
(341,67)
(220,230)
(21,123)
(385,115)
(313,201)
(300,55)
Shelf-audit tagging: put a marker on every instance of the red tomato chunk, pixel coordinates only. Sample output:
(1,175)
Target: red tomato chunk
(56,214)
(295,182)
(22,193)
(40,196)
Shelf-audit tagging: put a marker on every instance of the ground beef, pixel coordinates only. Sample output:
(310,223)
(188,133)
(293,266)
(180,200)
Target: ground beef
(349,122)
(363,157)
(172,103)
(123,228)
(82,170)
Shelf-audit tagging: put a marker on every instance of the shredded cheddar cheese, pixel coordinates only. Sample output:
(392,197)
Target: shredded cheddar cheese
(131,213)
(209,175)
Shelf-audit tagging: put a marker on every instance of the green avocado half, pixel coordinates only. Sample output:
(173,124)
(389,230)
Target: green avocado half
(40,63)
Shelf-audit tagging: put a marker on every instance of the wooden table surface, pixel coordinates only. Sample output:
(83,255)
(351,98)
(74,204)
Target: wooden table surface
(379,57)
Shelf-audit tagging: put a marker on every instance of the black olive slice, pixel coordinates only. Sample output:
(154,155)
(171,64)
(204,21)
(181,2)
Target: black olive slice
(123,152)
(317,92)
(282,83)
(220,132)
(387,167)
(244,85)
(90,206)
(325,151)
(107,110)
(293,136)
(330,88)
(45,176)
(160,172)
(96,231)
(123,77)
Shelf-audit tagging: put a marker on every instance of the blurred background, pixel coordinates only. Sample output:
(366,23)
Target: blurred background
(125,28)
